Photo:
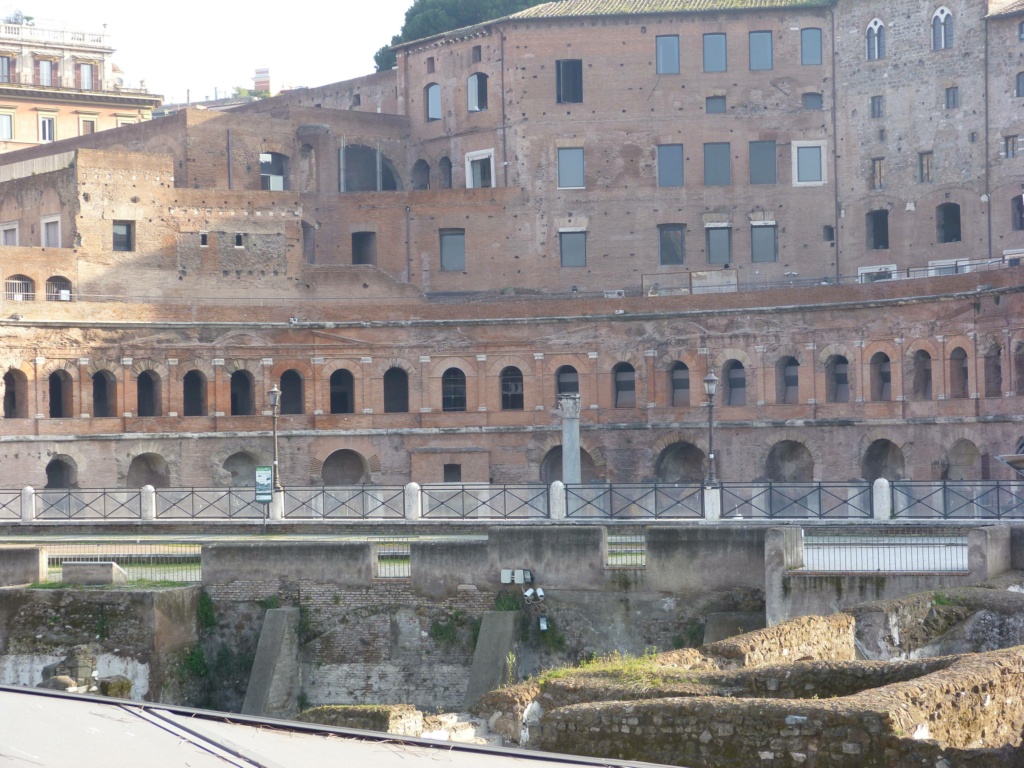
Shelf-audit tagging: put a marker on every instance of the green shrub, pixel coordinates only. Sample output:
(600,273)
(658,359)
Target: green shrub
(508,601)
(444,632)
(207,617)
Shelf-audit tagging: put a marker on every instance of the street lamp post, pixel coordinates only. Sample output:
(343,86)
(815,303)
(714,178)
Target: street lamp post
(274,396)
(710,387)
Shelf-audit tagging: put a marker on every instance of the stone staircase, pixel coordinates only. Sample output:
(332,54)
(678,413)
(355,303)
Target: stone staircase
(461,728)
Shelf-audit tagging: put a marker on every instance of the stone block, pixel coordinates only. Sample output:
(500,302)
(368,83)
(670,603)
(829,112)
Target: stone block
(88,574)
(22,565)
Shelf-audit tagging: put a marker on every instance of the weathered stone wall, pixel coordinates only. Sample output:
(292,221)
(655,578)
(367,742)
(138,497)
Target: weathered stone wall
(399,719)
(828,637)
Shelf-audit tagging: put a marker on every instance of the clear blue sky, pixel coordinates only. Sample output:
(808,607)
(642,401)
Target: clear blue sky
(188,45)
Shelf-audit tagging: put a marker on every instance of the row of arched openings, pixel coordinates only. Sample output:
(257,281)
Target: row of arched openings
(941,34)
(23,288)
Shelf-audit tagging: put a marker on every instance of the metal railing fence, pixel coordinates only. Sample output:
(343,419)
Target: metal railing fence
(504,502)
(359,502)
(796,500)
(896,549)
(391,557)
(208,504)
(143,561)
(626,551)
(10,505)
(101,504)
(619,501)
(989,500)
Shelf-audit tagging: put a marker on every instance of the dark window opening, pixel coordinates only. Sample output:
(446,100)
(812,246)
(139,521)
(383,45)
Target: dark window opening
(273,171)
(477,92)
(421,175)
(1017,212)
(476,54)
(947,223)
(881,377)
(569,73)
(444,167)
(396,391)
(837,379)
(58,289)
(308,242)
(452,473)
(292,400)
(15,395)
(60,395)
(239,240)
(679,379)
(921,384)
(343,388)
(735,383)
(104,394)
(959,380)
(624,385)
(242,394)
(124,235)
(567,381)
(994,371)
(671,244)
(787,381)
(148,391)
(511,389)
(878,230)
(453,390)
(364,248)
(194,394)
(365,169)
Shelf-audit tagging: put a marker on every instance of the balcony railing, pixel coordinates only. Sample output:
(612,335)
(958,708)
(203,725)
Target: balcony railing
(70,38)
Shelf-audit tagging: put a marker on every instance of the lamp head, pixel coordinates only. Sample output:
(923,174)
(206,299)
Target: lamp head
(710,384)
(274,396)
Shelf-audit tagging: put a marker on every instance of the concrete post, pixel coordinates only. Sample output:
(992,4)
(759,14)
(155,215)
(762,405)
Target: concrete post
(276,510)
(147,501)
(570,407)
(556,500)
(413,502)
(28,504)
(712,502)
(881,500)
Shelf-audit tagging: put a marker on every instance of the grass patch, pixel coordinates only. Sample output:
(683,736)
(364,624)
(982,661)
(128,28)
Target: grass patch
(205,612)
(508,601)
(638,674)
(193,663)
(140,584)
(444,632)
(269,603)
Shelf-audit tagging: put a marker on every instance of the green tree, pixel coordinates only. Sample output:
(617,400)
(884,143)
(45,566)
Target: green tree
(431,17)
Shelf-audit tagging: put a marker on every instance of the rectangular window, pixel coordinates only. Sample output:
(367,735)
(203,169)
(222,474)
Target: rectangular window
(477,54)
(762,162)
(239,240)
(476,88)
(808,163)
(924,167)
(760,51)
(204,239)
(571,168)
(719,244)
(714,105)
(877,172)
(124,235)
(877,106)
(810,46)
(453,472)
(672,244)
(670,165)
(952,97)
(50,227)
(44,72)
(667,54)
(47,129)
(715,59)
(811,101)
(430,65)
(480,169)
(86,126)
(573,247)
(717,165)
(1010,146)
(6,69)
(85,72)
(6,126)
(453,250)
(9,234)
(569,73)
(763,244)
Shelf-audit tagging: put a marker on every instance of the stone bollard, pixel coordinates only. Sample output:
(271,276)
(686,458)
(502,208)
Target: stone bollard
(276,510)
(28,504)
(413,502)
(881,500)
(556,500)
(712,502)
(147,500)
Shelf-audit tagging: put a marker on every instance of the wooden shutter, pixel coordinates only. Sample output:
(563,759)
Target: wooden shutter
(38,82)
(78,76)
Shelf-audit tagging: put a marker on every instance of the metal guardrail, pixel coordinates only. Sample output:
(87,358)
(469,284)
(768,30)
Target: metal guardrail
(796,500)
(142,561)
(98,503)
(360,502)
(10,505)
(619,501)
(912,549)
(208,504)
(990,500)
(504,502)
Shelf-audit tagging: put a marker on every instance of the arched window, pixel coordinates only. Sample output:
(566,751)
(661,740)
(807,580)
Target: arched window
(959,379)
(242,394)
(942,29)
(624,386)
(567,381)
(104,394)
(343,391)
(679,385)
(421,175)
(444,167)
(366,169)
(15,394)
(921,386)
(193,391)
(396,391)
(875,37)
(837,379)
(1019,90)
(947,223)
(477,92)
(292,396)
(432,102)
(1017,212)
(19,288)
(511,389)
(787,381)
(453,390)
(881,377)
(58,289)
(994,371)
(60,395)
(61,473)
(735,380)
(148,394)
